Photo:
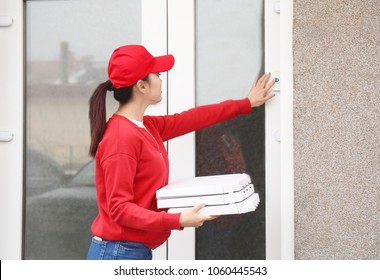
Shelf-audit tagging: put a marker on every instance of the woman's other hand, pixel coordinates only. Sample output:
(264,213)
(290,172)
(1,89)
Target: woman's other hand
(191,217)
(259,93)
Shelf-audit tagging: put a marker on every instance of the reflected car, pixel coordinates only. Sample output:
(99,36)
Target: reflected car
(57,223)
(43,173)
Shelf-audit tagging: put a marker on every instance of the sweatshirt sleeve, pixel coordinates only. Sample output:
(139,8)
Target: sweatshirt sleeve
(122,209)
(171,126)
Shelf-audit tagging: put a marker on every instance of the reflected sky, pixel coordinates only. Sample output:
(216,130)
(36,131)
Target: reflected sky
(92,27)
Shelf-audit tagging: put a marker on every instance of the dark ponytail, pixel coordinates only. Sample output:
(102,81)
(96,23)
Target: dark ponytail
(97,115)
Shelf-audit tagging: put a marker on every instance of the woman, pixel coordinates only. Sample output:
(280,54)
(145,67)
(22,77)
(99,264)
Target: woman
(131,160)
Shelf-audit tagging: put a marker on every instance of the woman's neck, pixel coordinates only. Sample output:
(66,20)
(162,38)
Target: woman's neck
(132,110)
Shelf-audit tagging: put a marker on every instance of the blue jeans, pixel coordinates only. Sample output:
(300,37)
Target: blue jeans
(118,250)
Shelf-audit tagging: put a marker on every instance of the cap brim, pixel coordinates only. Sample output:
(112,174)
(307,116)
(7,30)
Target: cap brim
(162,63)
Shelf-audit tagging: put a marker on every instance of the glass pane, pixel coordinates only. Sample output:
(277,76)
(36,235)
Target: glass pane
(68,44)
(230,55)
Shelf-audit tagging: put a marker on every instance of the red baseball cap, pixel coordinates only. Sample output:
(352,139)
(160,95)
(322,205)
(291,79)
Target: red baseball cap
(131,63)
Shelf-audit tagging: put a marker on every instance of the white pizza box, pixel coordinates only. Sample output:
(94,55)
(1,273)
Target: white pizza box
(205,185)
(248,205)
(217,199)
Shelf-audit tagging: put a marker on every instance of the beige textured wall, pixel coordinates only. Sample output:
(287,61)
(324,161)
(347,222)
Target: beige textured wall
(336,129)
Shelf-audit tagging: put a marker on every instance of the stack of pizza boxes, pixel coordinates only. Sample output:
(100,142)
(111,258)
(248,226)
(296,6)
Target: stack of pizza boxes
(221,194)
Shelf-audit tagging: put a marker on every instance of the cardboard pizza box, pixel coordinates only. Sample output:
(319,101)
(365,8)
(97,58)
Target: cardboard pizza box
(248,205)
(216,199)
(205,185)
(222,194)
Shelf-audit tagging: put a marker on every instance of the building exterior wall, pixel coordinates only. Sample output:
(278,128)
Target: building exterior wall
(336,129)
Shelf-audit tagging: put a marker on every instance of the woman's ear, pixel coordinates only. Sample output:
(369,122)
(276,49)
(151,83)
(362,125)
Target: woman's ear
(141,85)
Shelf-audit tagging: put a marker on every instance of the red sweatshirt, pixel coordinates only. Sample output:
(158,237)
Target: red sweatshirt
(132,164)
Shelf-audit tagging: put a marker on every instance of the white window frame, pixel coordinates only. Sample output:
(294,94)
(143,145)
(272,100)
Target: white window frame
(11,120)
(286,116)
(181,88)
(154,38)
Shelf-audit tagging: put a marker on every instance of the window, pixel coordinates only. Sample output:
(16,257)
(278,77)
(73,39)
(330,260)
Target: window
(229,53)
(68,44)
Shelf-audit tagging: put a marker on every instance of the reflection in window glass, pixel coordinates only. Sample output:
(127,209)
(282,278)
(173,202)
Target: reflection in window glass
(68,44)
(230,54)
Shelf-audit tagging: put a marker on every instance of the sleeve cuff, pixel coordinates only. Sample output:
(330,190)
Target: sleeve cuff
(171,221)
(244,106)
